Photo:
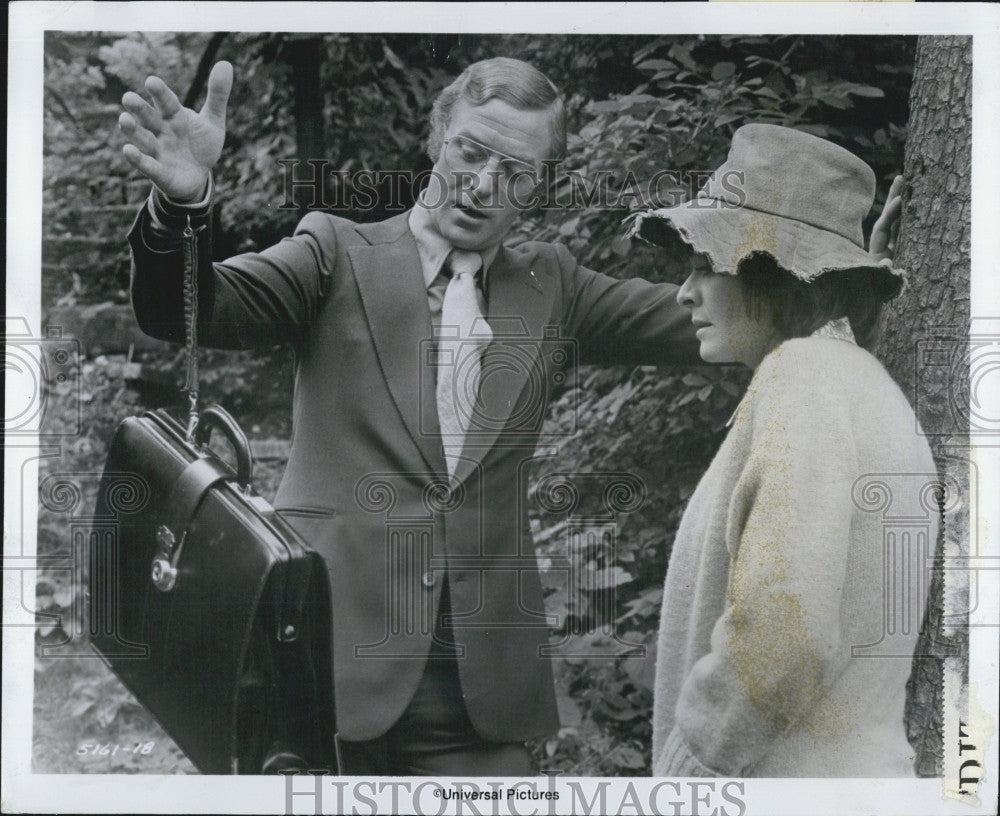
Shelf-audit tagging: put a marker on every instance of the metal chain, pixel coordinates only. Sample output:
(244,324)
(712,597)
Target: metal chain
(191,325)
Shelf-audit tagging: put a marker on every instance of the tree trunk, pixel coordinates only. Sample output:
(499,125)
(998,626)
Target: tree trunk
(305,56)
(925,343)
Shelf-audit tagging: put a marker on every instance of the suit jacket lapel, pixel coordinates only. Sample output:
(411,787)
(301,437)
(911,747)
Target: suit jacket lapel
(392,291)
(520,305)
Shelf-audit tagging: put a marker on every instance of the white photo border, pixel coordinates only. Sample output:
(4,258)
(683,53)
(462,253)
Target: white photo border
(24,791)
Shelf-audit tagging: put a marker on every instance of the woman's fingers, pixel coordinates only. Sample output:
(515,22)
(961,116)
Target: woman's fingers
(147,116)
(166,100)
(886,228)
(896,189)
(892,210)
(138,135)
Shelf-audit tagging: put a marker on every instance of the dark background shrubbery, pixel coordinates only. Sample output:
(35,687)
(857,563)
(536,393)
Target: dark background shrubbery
(636,104)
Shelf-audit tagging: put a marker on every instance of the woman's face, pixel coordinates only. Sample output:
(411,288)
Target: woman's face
(718,308)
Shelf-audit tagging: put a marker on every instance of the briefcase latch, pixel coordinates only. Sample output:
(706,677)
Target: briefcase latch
(185,496)
(164,569)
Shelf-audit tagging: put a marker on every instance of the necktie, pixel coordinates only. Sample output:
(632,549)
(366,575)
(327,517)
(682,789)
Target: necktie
(463,335)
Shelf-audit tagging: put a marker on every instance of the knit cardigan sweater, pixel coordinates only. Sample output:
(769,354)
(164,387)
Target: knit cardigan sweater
(778,569)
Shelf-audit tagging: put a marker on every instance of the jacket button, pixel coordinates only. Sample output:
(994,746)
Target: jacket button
(428,579)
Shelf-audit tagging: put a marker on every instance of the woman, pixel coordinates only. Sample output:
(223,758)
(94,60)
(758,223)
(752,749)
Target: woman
(774,605)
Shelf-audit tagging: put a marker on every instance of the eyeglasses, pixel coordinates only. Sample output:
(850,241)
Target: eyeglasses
(467,155)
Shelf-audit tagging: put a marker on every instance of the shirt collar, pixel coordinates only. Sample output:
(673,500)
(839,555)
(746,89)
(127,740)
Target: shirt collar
(434,248)
(838,329)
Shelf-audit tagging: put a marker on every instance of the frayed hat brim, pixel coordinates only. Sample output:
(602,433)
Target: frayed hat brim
(731,235)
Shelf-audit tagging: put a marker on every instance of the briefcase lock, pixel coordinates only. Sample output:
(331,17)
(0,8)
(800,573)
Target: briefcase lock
(190,488)
(164,568)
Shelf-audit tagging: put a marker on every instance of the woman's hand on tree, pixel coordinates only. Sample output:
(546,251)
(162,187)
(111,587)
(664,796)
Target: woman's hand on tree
(885,232)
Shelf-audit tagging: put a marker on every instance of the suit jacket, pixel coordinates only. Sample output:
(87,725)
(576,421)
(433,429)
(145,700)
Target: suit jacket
(366,482)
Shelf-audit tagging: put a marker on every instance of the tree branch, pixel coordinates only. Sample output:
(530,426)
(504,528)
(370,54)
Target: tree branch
(204,68)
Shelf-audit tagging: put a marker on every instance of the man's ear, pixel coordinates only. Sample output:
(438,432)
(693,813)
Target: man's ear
(435,141)
(434,147)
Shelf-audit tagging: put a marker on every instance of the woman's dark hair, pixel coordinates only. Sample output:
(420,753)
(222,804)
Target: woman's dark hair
(798,308)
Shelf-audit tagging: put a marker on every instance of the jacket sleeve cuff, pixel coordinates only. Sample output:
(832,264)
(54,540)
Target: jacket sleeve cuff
(676,760)
(167,215)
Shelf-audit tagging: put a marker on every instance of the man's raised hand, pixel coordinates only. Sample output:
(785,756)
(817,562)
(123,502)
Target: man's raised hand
(171,145)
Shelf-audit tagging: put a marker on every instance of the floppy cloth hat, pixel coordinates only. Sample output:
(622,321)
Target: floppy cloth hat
(783,193)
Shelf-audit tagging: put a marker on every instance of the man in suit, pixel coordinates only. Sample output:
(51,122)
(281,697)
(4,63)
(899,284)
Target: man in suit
(425,351)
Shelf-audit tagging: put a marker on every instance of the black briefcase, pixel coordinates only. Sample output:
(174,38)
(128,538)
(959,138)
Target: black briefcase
(208,605)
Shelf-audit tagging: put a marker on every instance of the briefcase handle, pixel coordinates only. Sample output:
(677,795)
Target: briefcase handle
(215,416)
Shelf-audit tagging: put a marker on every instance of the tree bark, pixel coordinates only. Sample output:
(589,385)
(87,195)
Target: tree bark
(925,342)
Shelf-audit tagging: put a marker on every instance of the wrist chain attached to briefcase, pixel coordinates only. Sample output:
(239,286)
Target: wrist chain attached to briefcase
(205,602)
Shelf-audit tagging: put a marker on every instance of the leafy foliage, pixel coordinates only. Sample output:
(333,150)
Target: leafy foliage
(637,105)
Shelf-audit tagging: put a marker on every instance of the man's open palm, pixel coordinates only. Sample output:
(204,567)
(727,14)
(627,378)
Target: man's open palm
(171,145)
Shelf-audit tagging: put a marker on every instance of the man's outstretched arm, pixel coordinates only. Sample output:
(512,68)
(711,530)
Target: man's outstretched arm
(250,300)
(627,322)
